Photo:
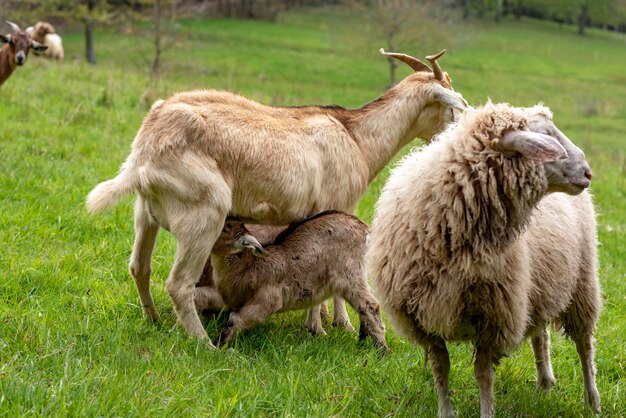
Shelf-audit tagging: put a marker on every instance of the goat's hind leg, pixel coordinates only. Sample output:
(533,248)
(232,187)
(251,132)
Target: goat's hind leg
(146,231)
(196,227)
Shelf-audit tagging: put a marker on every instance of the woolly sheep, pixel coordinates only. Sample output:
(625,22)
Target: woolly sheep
(202,155)
(44,33)
(469,243)
(299,270)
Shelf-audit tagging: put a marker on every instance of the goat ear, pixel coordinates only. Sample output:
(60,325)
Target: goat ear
(248,241)
(450,98)
(36,46)
(5,38)
(533,145)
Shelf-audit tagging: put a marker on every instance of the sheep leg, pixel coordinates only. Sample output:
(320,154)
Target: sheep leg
(313,323)
(541,349)
(584,346)
(196,229)
(485,375)
(146,231)
(340,315)
(437,353)
(255,312)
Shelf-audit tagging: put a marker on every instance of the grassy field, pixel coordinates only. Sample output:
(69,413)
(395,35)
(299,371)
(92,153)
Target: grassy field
(73,341)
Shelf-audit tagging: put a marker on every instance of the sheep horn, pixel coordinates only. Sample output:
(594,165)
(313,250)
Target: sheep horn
(14,27)
(436,68)
(412,62)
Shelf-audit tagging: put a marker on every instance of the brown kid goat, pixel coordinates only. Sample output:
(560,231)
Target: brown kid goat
(14,53)
(306,264)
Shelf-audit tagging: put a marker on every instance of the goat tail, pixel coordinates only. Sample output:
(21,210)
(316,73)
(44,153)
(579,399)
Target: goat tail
(108,193)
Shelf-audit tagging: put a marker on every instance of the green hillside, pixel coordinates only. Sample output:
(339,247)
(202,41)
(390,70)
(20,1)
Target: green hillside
(73,341)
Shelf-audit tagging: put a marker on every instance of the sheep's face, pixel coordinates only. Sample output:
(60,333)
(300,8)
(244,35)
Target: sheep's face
(564,163)
(570,174)
(235,238)
(20,43)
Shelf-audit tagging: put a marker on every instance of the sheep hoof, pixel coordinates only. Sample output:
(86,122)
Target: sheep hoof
(545,384)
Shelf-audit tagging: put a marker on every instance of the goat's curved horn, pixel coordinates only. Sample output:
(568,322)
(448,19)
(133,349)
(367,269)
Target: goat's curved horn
(436,68)
(14,26)
(412,62)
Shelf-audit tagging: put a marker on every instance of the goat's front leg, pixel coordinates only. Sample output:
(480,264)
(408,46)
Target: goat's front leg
(541,349)
(264,303)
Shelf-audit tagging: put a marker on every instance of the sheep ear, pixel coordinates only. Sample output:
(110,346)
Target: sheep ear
(5,39)
(450,98)
(533,145)
(248,241)
(36,46)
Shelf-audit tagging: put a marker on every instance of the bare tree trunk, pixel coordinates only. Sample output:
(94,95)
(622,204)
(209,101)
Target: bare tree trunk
(582,19)
(467,6)
(392,63)
(498,10)
(89,52)
(155,67)
(481,8)
(519,6)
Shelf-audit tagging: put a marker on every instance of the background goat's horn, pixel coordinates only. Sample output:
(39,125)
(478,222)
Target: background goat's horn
(412,62)
(436,68)
(14,26)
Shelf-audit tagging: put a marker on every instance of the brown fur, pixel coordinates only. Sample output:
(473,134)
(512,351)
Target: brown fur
(467,244)
(204,154)
(20,45)
(300,270)
(207,297)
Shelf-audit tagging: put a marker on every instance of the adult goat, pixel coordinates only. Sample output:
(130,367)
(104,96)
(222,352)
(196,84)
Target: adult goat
(204,154)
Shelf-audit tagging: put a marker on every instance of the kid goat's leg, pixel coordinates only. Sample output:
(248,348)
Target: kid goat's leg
(264,303)
(340,315)
(541,348)
(146,231)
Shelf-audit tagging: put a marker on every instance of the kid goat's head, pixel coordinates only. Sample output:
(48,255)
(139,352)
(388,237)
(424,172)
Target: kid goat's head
(442,102)
(235,238)
(19,44)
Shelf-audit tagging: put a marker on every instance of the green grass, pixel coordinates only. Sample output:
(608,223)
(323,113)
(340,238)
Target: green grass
(72,337)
